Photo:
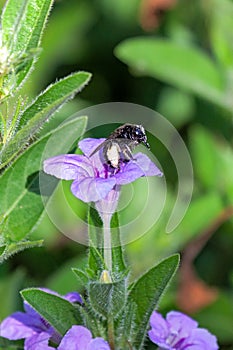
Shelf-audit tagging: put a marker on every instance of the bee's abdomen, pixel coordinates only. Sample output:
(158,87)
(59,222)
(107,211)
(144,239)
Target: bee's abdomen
(112,154)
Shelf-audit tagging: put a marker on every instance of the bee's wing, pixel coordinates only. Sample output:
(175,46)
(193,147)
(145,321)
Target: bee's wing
(98,148)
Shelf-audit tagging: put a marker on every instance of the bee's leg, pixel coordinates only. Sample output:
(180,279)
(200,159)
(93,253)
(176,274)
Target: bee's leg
(127,153)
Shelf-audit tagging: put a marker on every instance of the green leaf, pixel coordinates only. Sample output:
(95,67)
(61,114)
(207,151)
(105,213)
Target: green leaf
(81,276)
(148,290)
(9,345)
(24,190)
(186,67)
(39,112)
(107,299)
(118,263)
(60,313)
(23,23)
(207,164)
(221,14)
(63,279)
(95,257)
(125,325)
(13,248)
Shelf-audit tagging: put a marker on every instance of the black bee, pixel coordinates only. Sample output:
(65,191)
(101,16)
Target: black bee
(121,142)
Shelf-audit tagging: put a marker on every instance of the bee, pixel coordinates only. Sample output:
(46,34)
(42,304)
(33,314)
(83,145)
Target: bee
(118,147)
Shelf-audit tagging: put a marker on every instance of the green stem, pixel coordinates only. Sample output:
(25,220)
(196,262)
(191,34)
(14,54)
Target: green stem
(111,340)
(107,241)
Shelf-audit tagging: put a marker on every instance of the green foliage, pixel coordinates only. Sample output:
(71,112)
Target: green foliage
(147,292)
(184,66)
(107,299)
(23,23)
(57,311)
(25,190)
(23,194)
(40,111)
(183,69)
(221,13)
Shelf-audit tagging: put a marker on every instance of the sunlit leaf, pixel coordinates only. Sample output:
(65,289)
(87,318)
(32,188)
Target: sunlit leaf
(23,22)
(183,66)
(25,189)
(39,112)
(60,313)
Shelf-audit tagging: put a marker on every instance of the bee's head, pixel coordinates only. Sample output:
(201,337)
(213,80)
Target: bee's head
(140,135)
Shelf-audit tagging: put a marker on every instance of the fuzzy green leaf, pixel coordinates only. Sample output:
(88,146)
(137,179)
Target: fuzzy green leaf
(118,263)
(81,276)
(39,112)
(60,313)
(95,257)
(23,23)
(13,248)
(107,299)
(184,66)
(147,291)
(24,189)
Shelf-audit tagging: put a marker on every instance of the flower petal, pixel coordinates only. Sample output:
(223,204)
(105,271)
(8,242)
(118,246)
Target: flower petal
(73,297)
(89,145)
(140,166)
(180,324)
(146,165)
(128,173)
(98,344)
(159,330)
(38,342)
(68,166)
(108,205)
(200,339)
(92,189)
(77,338)
(17,326)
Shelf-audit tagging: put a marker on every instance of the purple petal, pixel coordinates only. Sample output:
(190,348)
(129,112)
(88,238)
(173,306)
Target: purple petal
(89,145)
(38,342)
(146,165)
(180,324)
(77,338)
(68,166)
(140,166)
(73,297)
(49,291)
(98,344)
(92,189)
(129,173)
(108,205)
(200,339)
(31,312)
(159,330)
(17,326)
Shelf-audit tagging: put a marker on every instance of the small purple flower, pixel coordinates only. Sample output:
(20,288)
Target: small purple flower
(179,332)
(80,338)
(29,325)
(93,180)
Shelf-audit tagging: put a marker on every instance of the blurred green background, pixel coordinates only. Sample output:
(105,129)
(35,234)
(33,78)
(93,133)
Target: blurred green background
(175,57)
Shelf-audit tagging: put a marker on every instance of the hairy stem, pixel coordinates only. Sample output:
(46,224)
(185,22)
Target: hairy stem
(111,333)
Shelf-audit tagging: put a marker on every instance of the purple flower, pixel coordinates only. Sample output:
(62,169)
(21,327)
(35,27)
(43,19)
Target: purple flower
(93,180)
(179,332)
(29,325)
(80,338)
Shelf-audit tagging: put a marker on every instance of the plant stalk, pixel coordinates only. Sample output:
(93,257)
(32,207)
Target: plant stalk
(111,340)
(107,241)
